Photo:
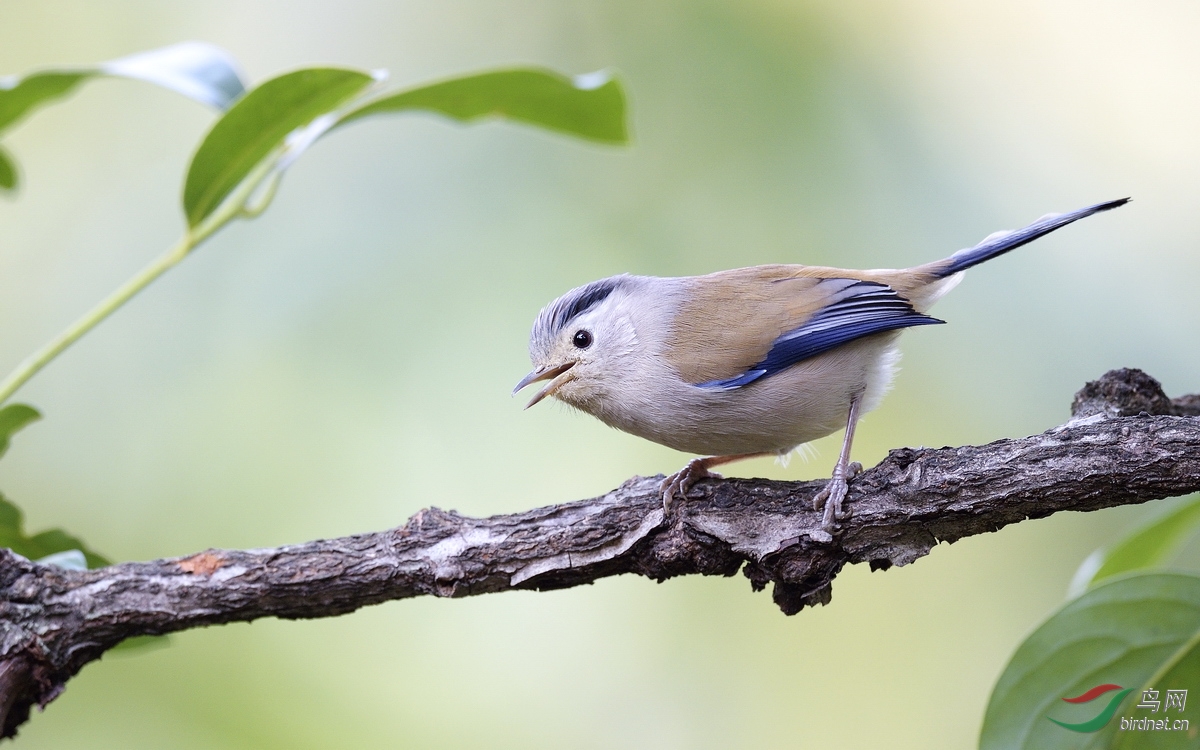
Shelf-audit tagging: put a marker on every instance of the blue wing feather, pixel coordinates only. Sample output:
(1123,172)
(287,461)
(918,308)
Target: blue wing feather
(857,309)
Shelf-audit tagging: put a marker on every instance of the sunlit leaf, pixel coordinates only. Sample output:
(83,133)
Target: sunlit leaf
(8,171)
(1126,632)
(199,71)
(590,106)
(257,126)
(12,418)
(38,546)
(1148,547)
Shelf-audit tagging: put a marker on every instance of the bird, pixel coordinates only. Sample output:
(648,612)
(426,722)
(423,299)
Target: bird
(747,362)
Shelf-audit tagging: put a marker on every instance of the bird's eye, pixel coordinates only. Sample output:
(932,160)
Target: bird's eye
(582,339)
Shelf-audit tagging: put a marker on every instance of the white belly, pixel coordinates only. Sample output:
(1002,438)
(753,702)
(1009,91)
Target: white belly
(807,401)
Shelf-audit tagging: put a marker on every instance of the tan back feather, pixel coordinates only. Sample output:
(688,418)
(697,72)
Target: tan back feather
(730,319)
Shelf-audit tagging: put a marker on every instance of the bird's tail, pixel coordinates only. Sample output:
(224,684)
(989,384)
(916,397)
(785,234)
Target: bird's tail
(1001,242)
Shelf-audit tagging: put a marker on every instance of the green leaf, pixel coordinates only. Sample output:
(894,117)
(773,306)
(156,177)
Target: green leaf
(270,127)
(257,127)
(590,106)
(1154,544)
(19,96)
(142,643)
(1151,546)
(71,559)
(1130,631)
(56,540)
(56,547)
(12,418)
(8,172)
(199,71)
(12,536)
(1180,672)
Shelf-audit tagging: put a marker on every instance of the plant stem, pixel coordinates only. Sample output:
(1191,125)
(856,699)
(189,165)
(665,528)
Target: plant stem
(39,359)
(234,206)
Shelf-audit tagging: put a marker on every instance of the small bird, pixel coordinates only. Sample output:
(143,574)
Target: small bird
(748,362)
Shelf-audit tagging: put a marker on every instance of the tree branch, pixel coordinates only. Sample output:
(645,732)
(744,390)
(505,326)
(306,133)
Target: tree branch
(1127,443)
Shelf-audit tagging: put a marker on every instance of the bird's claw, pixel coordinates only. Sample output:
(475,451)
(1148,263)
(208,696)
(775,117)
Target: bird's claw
(682,481)
(832,497)
(830,500)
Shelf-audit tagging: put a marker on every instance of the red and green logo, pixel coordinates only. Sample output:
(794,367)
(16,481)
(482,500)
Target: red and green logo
(1102,718)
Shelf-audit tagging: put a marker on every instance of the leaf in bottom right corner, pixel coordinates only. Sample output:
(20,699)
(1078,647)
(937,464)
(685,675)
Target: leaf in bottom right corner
(1172,723)
(1074,679)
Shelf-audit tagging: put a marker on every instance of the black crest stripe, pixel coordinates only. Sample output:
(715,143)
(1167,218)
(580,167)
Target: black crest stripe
(585,299)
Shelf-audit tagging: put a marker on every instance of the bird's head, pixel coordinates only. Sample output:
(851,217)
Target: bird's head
(580,343)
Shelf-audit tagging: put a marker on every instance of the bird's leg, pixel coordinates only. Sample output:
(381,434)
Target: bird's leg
(678,484)
(835,491)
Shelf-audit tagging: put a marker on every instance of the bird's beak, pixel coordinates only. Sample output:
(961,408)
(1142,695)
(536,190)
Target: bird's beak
(559,373)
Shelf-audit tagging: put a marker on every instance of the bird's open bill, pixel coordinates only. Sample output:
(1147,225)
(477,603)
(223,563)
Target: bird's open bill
(559,373)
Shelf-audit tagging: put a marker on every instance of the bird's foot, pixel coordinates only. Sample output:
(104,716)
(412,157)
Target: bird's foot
(833,496)
(678,484)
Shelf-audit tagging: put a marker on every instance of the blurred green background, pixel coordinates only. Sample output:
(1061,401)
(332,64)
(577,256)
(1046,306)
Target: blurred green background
(346,360)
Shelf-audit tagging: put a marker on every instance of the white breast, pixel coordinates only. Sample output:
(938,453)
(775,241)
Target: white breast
(807,401)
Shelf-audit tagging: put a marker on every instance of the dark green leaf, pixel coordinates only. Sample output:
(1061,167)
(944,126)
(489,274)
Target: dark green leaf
(57,540)
(12,418)
(1124,632)
(8,171)
(590,106)
(1152,545)
(12,536)
(41,546)
(257,126)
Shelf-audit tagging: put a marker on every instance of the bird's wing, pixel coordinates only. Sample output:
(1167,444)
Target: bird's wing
(747,325)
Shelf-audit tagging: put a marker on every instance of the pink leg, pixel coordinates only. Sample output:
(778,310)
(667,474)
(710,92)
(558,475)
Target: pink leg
(832,497)
(678,484)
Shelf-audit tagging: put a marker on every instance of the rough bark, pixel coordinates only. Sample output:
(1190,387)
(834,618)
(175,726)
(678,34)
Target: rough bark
(1126,443)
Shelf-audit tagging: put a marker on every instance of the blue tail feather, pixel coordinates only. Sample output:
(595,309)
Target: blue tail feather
(998,245)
